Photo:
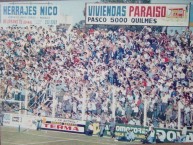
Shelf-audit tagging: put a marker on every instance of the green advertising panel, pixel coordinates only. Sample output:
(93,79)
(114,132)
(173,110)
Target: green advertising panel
(168,134)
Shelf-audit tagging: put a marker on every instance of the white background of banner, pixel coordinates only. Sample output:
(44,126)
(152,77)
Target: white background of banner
(161,21)
(25,121)
(69,125)
(70,121)
(29,122)
(39,20)
(68,128)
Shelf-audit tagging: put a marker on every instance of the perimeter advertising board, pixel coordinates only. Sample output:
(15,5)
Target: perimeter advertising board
(168,135)
(7,119)
(65,125)
(29,14)
(14,120)
(54,124)
(137,14)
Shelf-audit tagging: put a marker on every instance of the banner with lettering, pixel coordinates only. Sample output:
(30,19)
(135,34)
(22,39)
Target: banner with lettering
(29,14)
(16,120)
(168,135)
(65,125)
(47,123)
(137,14)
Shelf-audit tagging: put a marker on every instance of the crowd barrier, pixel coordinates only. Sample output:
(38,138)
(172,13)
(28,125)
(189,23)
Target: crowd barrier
(78,126)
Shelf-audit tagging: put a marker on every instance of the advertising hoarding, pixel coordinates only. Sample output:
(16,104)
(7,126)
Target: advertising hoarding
(29,14)
(168,135)
(7,119)
(137,14)
(14,120)
(55,124)
(66,125)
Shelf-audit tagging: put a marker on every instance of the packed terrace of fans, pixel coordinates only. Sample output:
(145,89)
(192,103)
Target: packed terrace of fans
(98,64)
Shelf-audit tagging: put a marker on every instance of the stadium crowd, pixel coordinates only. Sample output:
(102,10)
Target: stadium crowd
(90,68)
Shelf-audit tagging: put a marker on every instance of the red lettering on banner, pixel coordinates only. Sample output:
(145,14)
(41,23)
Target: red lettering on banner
(163,14)
(158,11)
(142,11)
(59,126)
(52,126)
(136,11)
(149,14)
(75,128)
(62,127)
(67,128)
(153,12)
(46,125)
(149,11)
(131,10)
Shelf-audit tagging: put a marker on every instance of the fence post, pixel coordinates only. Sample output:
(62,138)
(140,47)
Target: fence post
(113,102)
(145,112)
(54,101)
(26,101)
(179,114)
(84,104)
(20,108)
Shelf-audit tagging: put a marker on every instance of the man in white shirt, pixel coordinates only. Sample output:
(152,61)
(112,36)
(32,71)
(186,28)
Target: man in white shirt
(159,138)
(39,122)
(151,135)
(184,133)
(187,111)
(89,132)
(172,124)
(129,136)
(132,122)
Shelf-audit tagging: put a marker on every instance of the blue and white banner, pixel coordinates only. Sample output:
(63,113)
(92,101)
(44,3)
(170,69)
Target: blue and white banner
(137,14)
(29,14)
